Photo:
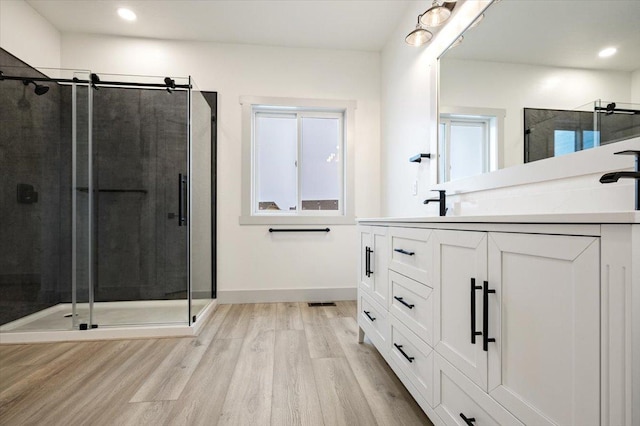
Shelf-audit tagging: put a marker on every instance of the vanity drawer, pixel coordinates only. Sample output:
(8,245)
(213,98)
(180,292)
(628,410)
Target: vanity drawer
(374,321)
(412,303)
(411,253)
(413,357)
(454,394)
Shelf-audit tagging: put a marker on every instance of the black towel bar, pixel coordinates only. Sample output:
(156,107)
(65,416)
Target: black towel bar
(299,230)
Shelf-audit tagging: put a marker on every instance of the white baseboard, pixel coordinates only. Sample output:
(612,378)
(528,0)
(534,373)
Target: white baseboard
(286,295)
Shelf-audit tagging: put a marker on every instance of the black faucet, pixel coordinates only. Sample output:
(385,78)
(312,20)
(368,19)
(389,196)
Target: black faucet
(442,200)
(613,177)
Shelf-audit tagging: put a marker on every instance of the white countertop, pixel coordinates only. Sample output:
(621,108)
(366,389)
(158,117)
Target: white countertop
(564,218)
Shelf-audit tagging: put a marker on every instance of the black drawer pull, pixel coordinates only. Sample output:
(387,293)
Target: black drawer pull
(369,316)
(468,420)
(485,316)
(399,347)
(401,300)
(408,253)
(474,333)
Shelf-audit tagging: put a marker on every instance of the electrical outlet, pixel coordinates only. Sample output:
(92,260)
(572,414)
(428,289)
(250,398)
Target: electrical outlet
(414,188)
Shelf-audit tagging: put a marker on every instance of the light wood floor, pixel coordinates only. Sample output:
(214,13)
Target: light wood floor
(258,365)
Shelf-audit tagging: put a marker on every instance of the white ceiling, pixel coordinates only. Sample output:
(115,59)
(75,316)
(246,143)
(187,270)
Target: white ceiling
(565,33)
(333,24)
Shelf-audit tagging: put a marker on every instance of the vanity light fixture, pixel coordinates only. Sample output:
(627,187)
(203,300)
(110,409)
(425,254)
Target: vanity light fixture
(435,16)
(477,21)
(457,42)
(127,14)
(419,36)
(609,51)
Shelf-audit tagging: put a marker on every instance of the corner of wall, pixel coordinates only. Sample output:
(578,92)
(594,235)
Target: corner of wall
(28,35)
(635,87)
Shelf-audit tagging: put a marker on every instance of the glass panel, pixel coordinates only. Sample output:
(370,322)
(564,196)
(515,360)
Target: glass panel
(35,195)
(618,121)
(276,155)
(321,168)
(200,217)
(140,139)
(82,197)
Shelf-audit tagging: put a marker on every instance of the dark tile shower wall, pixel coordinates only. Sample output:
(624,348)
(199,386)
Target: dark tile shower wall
(140,141)
(34,243)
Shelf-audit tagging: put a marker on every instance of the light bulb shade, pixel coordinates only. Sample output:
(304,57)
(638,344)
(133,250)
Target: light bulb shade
(418,37)
(457,42)
(435,16)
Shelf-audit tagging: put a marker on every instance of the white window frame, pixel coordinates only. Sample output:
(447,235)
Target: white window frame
(250,215)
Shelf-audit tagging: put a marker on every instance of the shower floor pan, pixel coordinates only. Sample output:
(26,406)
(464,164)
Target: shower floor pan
(116,320)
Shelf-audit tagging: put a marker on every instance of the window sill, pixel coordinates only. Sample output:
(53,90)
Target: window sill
(297,220)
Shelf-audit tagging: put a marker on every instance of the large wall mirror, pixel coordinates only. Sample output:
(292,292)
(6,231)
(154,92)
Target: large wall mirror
(527,83)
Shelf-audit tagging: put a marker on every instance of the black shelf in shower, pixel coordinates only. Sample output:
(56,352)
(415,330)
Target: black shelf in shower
(85,189)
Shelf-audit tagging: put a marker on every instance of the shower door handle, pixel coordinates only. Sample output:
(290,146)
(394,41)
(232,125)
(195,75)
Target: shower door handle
(182,185)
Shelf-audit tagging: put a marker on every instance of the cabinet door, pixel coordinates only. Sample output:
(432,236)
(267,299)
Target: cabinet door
(544,365)
(460,259)
(373,270)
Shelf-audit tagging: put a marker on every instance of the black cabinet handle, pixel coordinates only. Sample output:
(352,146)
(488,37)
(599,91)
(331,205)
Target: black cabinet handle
(408,253)
(367,261)
(369,316)
(485,316)
(474,333)
(468,420)
(401,300)
(399,348)
(182,199)
(369,271)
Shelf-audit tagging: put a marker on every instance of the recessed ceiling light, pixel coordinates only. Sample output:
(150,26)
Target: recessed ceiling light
(609,51)
(127,14)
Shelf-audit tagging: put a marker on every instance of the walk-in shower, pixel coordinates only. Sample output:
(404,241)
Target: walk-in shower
(105,192)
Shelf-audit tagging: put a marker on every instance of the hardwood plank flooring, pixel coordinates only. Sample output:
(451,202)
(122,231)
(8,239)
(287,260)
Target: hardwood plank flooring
(288,316)
(295,395)
(252,365)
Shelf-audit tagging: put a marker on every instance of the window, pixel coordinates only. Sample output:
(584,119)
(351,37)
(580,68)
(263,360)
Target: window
(296,162)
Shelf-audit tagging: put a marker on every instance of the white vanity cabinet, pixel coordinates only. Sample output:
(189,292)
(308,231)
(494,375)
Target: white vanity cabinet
(519,316)
(516,323)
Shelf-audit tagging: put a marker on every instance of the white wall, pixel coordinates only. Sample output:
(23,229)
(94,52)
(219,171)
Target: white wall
(409,126)
(249,258)
(27,35)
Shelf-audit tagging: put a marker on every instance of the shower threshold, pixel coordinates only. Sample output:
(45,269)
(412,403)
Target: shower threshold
(116,320)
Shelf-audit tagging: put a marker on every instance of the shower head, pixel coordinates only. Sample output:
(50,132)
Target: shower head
(39,89)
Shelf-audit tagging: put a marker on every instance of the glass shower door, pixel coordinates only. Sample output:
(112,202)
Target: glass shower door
(140,162)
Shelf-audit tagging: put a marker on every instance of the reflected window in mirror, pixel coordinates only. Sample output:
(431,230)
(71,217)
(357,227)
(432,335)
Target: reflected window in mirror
(468,142)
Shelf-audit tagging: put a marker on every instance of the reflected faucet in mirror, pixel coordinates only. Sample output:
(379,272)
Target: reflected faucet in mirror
(615,176)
